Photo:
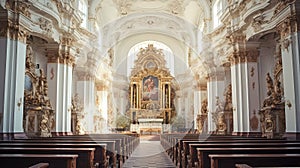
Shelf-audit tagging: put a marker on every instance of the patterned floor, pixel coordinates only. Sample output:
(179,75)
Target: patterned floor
(149,154)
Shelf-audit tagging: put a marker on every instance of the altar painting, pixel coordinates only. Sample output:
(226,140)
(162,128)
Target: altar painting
(150,88)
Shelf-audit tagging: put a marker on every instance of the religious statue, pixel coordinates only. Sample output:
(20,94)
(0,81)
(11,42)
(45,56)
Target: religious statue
(38,112)
(77,115)
(270,91)
(272,113)
(228,98)
(202,117)
(204,106)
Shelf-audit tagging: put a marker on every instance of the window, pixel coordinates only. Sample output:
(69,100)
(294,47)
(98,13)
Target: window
(217,12)
(169,57)
(83,10)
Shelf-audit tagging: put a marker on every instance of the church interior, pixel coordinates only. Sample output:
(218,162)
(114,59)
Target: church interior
(86,83)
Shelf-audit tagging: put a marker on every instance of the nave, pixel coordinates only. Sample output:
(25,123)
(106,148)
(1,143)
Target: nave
(149,153)
(131,150)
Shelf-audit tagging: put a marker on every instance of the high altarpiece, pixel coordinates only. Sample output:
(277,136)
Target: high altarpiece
(151,92)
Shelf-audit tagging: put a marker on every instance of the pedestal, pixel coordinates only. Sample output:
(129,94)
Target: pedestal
(273,121)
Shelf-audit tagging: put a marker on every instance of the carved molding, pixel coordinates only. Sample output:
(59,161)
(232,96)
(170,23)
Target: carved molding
(258,21)
(46,26)
(251,55)
(13,31)
(19,7)
(85,76)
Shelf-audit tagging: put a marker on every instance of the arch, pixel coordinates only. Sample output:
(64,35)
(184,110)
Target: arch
(168,54)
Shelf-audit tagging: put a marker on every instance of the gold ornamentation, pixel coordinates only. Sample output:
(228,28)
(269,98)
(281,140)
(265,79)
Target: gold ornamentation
(251,55)
(272,114)
(19,7)
(101,87)
(252,71)
(254,122)
(228,98)
(202,117)
(151,63)
(38,112)
(77,115)
(289,104)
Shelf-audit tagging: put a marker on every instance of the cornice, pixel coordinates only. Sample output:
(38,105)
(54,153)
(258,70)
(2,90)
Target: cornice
(268,21)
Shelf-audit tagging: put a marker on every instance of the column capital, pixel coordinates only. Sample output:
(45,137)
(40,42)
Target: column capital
(237,41)
(63,53)
(252,55)
(216,75)
(85,76)
(288,26)
(13,31)
(237,57)
(200,86)
(244,56)
(101,86)
(19,7)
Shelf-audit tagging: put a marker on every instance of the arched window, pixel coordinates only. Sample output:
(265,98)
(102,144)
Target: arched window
(83,10)
(217,12)
(169,56)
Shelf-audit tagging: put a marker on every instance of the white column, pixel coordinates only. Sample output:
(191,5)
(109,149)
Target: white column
(59,77)
(197,106)
(123,102)
(215,88)
(291,80)
(178,103)
(199,95)
(186,107)
(86,91)
(12,73)
(245,92)
(103,106)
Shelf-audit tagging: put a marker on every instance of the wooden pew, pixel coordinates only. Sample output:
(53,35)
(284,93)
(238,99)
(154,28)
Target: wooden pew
(115,152)
(268,160)
(242,166)
(40,165)
(27,160)
(85,155)
(128,141)
(100,149)
(111,145)
(174,141)
(183,149)
(193,147)
(204,160)
(124,144)
(247,166)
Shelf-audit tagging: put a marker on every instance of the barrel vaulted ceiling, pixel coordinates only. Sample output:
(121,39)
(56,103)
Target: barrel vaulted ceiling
(159,20)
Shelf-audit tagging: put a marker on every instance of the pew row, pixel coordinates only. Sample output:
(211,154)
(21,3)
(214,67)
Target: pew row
(27,160)
(100,149)
(256,160)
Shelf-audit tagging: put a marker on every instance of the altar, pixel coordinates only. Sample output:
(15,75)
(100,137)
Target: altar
(145,125)
(151,93)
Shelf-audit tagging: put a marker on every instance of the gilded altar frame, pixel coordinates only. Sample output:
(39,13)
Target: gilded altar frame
(151,87)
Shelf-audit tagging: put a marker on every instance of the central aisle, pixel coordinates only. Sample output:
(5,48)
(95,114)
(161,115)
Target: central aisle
(149,154)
